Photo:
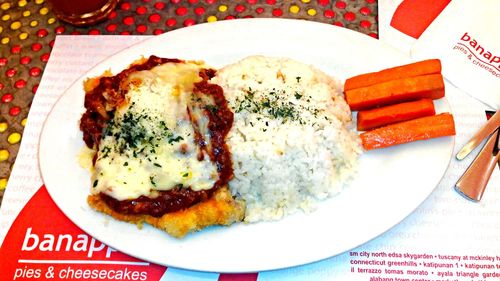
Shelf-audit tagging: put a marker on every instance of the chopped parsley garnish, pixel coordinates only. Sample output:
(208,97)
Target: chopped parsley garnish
(105,151)
(137,132)
(272,106)
(152,180)
(176,139)
(212,108)
(290,105)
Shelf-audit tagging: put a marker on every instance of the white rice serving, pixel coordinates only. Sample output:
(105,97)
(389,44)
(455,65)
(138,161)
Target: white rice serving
(292,141)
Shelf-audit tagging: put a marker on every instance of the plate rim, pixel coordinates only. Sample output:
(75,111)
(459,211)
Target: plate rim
(200,26)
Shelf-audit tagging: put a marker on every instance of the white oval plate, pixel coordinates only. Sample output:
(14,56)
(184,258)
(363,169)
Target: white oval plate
(391,184)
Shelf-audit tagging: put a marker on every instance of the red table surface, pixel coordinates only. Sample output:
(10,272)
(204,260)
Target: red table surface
(28,30)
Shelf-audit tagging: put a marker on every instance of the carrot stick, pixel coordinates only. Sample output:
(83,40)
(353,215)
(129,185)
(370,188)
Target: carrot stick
(396,91)
(408,131)
(377,117)
(432,66)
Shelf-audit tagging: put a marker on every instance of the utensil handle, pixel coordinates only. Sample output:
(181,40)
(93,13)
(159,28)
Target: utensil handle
(480,135)
(473,182)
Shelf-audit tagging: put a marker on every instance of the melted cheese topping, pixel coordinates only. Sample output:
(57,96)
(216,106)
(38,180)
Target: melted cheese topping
(149,144)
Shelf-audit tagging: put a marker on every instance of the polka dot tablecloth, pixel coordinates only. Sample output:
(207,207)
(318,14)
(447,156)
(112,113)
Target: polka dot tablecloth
(28,30)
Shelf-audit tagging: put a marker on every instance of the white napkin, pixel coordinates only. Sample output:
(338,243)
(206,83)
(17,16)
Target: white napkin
(466,37)
(401,22)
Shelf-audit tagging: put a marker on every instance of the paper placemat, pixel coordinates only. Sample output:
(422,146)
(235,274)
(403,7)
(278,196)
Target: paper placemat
(459,33)
(446,238)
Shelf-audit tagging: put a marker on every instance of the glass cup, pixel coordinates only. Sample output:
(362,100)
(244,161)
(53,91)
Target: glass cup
(82,12)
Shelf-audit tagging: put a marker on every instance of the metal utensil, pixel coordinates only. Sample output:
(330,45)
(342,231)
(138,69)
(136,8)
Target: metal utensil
(473,182)
(485,131)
